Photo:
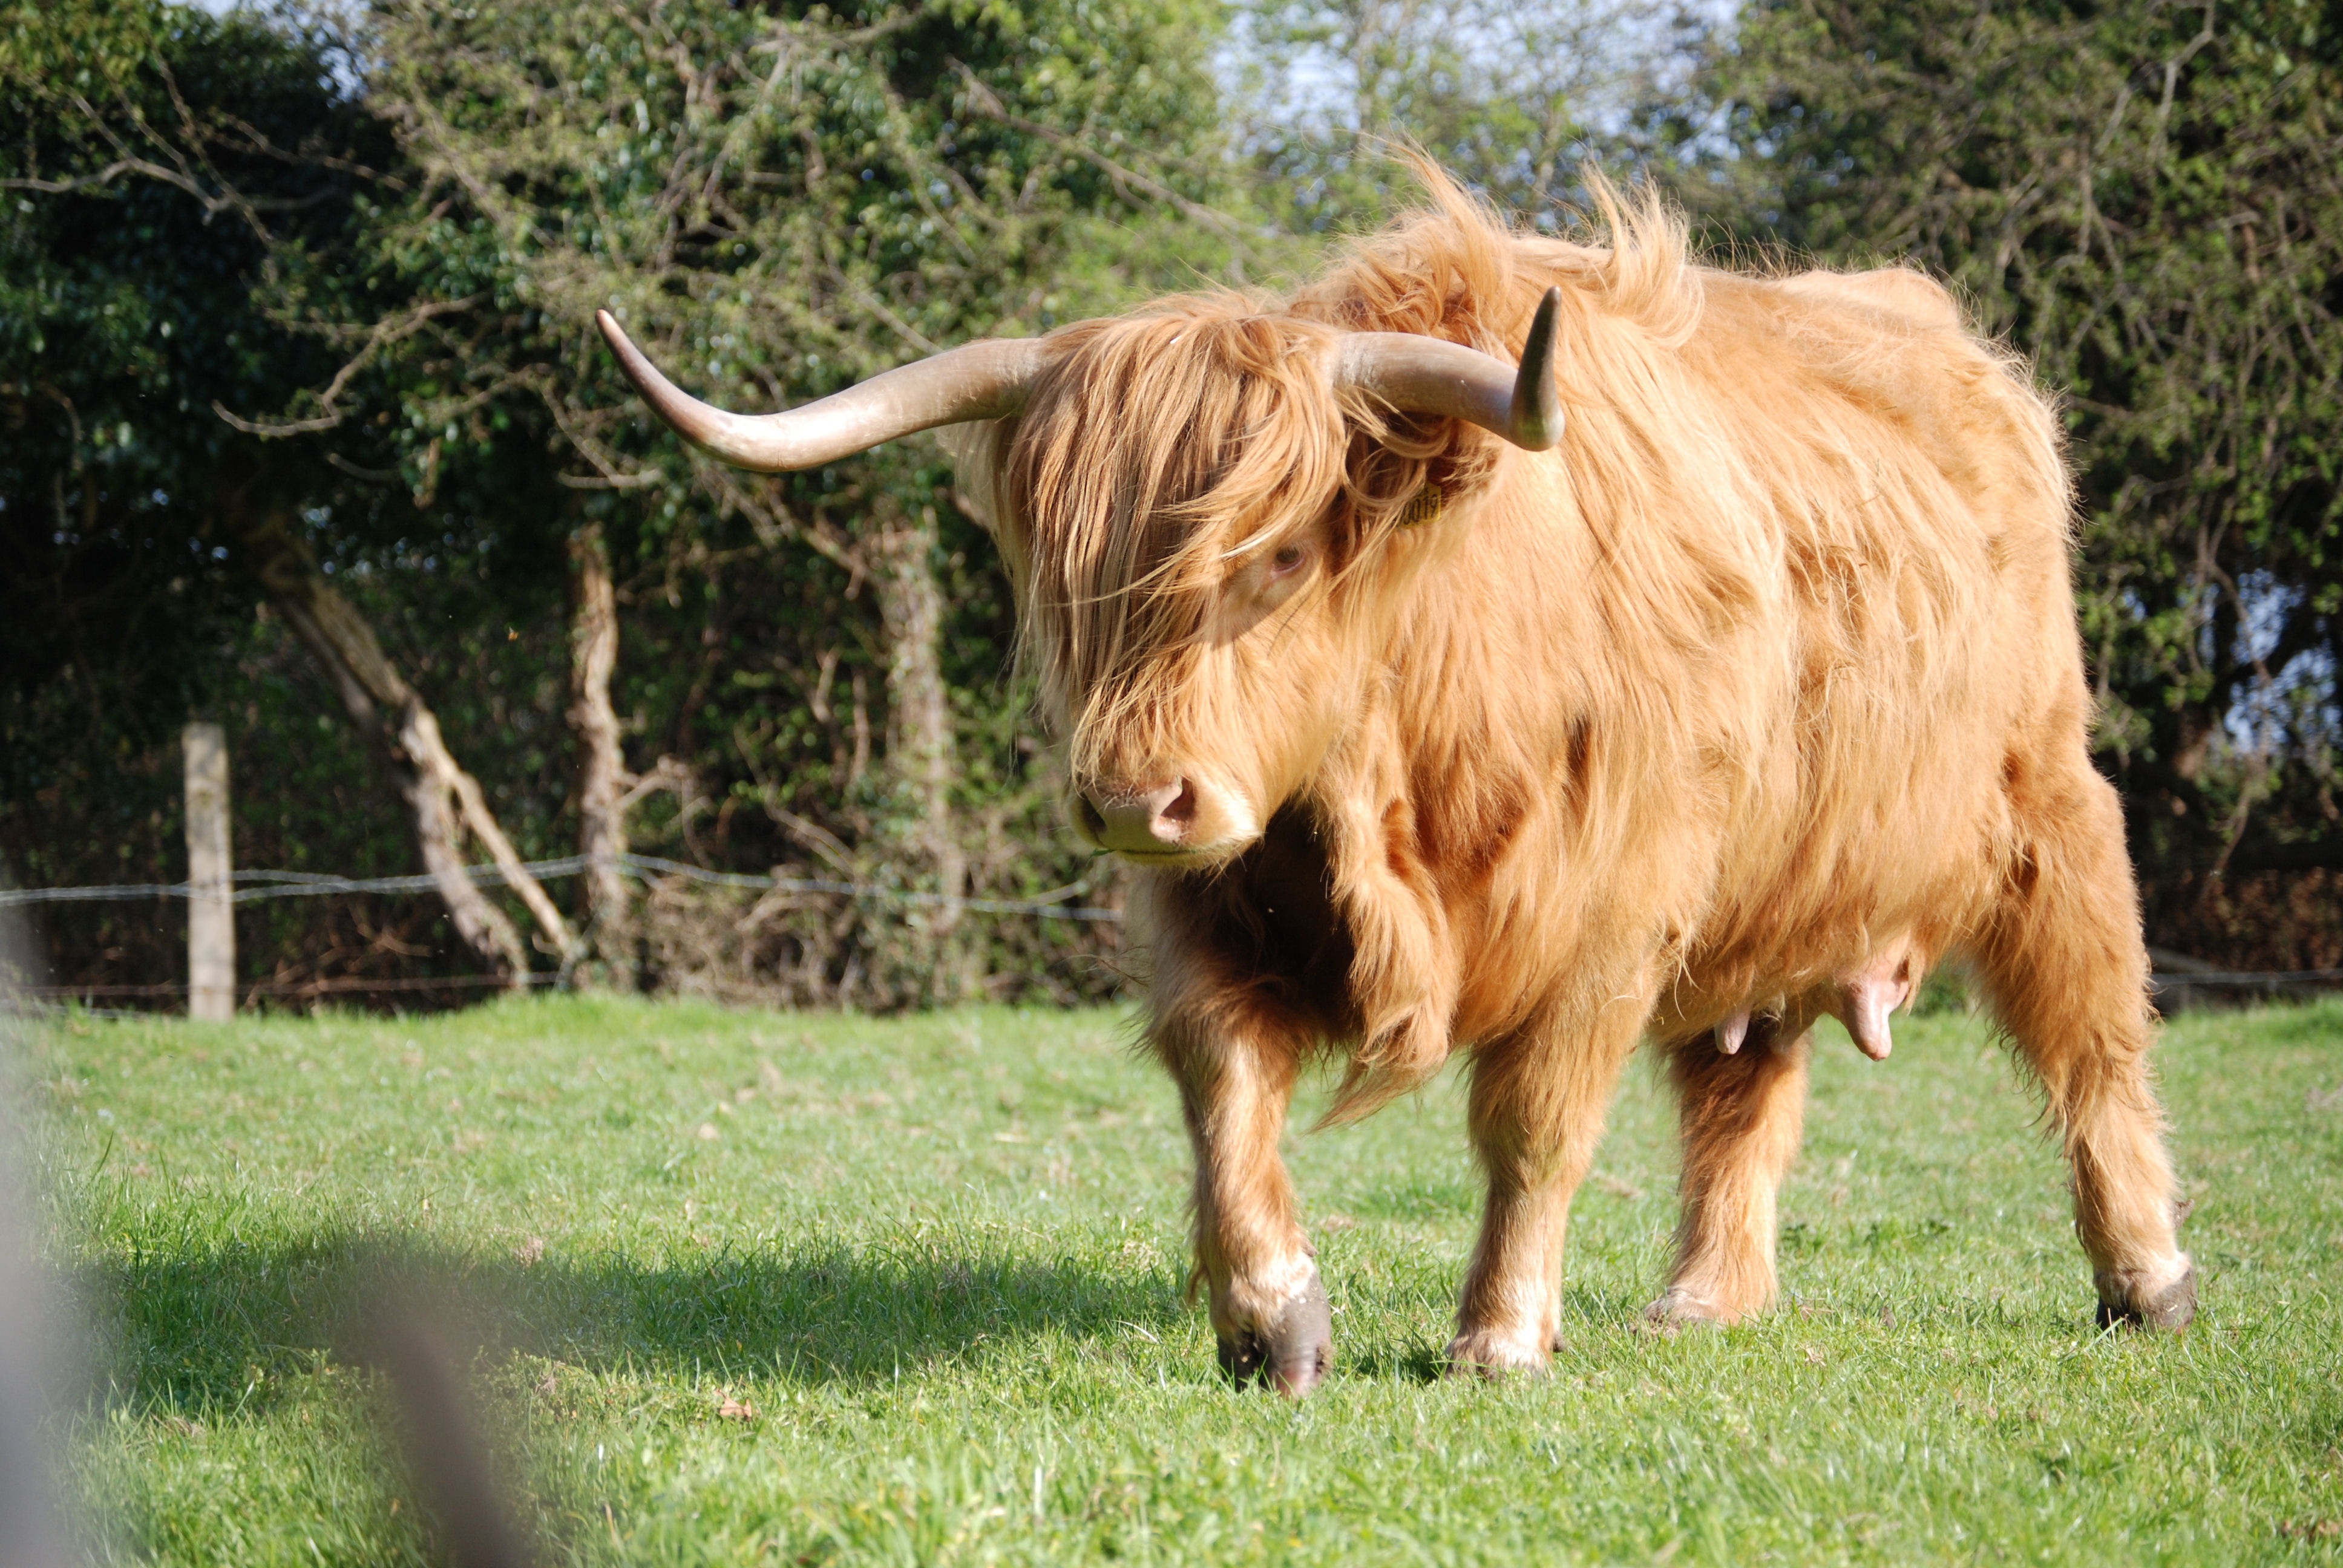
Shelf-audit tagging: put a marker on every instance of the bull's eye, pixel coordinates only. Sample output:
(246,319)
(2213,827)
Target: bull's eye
(1285,560)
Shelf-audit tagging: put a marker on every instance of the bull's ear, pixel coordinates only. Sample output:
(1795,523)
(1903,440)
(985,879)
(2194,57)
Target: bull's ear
(1426,493)
(979,452)
(1425,507)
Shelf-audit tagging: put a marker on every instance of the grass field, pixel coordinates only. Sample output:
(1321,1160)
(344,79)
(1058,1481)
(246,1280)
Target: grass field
(759,1287)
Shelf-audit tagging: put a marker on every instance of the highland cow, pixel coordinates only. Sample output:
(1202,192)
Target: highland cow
(1713,669)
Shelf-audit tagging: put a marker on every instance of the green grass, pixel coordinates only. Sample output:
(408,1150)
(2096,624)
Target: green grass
(943,1259)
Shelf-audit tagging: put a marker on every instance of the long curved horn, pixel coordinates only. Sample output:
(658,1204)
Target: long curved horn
(1419,375)
(986,380)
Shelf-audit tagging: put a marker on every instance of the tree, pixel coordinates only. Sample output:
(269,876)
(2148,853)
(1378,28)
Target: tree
(175,175)
(784,200)
(1514,99)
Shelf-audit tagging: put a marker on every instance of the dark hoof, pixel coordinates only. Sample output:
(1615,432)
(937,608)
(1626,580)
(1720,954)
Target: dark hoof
(2172,1309)
(1292,1351)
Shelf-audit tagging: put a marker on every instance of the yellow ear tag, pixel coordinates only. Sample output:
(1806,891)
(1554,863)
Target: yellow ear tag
(1424,507)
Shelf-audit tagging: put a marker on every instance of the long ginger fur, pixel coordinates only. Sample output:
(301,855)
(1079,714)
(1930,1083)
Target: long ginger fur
(1770,663)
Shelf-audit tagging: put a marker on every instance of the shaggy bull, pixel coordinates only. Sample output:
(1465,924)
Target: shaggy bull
(1716,670)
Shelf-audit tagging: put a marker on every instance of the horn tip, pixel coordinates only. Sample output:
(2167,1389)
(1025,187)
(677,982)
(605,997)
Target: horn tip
(638,369)
(1537,400)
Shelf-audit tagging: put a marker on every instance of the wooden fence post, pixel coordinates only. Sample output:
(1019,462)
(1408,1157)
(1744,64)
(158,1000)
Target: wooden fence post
(211,907)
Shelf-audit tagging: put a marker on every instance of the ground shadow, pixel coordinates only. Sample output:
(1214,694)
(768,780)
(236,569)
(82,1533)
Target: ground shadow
(192,1329)
(1419,1362)
(1586,1312)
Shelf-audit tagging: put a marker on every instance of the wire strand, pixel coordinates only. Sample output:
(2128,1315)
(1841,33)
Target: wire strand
(310,885)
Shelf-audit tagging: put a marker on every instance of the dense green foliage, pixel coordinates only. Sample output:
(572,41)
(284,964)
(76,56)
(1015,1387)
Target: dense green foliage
(935,1266)
(782,200)
(2147,201)
(166,168)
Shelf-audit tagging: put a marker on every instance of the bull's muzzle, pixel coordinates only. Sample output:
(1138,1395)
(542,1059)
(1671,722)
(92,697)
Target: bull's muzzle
(1150,820)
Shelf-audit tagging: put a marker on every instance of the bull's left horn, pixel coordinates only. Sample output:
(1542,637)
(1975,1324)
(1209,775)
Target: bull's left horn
(985,380)
(1419,375)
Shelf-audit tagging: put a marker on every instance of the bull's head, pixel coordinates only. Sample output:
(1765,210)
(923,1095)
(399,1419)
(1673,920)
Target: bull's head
(1194,502)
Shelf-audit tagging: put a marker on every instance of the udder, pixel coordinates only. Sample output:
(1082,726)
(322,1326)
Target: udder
(1861,1000)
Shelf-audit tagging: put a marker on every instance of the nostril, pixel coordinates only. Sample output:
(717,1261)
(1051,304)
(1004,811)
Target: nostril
(1180,811)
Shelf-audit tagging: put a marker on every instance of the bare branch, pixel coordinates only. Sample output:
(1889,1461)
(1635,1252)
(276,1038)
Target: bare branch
(634,481)
(380,335)
(274,430)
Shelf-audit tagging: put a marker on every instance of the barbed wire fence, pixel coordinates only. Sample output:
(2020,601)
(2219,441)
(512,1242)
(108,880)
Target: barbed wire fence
(310,884)
(257,886)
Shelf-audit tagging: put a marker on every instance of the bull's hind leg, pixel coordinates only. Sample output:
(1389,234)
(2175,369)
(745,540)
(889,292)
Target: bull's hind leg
(2066,973)
(1235,1063)
(1538,1102)
(1742,1116)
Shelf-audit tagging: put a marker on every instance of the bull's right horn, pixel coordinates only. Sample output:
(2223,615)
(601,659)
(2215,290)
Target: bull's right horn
(985,380)
(1419,375)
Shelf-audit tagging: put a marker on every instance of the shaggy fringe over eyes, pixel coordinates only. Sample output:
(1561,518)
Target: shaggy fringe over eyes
(1125,533)
(1161,450)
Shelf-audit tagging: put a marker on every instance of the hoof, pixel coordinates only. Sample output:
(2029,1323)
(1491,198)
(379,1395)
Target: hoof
(2126,1298)
(1682,1310)
(1289,1352)
(1492,1357)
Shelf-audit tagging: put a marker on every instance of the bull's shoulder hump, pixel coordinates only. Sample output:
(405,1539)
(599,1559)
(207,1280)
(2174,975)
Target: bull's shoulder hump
(1902,293)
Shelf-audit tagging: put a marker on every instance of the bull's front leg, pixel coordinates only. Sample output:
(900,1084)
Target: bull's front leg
(1538,1102)
(1235,1068)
